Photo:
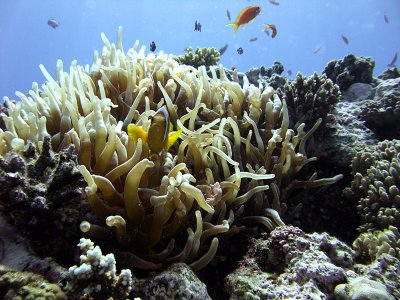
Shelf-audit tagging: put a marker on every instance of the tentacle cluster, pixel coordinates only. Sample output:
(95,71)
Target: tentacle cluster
(173,206)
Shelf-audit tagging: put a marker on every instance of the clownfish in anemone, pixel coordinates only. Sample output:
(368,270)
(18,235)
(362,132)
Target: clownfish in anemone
(160,135)
(245,16)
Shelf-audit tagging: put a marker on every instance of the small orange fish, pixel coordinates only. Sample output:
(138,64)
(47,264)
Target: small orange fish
(160,135)
(273,29)
(245,16)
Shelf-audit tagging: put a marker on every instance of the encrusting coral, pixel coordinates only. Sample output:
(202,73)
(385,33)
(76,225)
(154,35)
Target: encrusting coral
(172,206)
(27,285)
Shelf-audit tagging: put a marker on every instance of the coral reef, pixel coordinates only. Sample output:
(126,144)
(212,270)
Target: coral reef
(290,264)
(369,246)
(96,276)
(41,192)
(200,57)
(271,76)
(362,288)
(239,166)
(310,99)
(176,282)
(3,110)
(385,270)
(175,205)
(344,72)
(376,184)
(348,135)
(382,113)
(26,285)
(391,73)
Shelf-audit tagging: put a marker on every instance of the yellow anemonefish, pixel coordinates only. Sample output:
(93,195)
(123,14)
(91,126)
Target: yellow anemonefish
(245,16)
(273,29)
(160,135)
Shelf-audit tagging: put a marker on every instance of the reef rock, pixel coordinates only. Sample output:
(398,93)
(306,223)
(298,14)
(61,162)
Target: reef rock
(348,135)
(290,264)
(17,254)
(382,113)
(390,74)
(362,288)
(176,282)
(358,91)
(385,270)
(365,114)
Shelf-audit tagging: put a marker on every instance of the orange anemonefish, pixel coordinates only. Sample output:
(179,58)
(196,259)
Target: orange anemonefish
(160,135)
(245,16)
(273,29)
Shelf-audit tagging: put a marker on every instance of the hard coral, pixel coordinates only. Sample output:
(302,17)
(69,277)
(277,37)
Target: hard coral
(41,192)
(96,276)
(370,245)
(271,76)
(171,206)
(310,99)
(376,185)
(344,72)
(200,57)
(26,285)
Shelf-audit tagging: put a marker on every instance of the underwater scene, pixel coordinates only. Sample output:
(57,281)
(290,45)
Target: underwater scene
(231,149)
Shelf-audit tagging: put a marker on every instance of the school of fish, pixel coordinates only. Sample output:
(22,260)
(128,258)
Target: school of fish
(247,15)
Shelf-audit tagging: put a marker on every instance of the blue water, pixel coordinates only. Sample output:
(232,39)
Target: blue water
(303,26)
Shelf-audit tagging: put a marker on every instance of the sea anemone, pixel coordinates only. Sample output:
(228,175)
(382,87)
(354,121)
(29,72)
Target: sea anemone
(172,206)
